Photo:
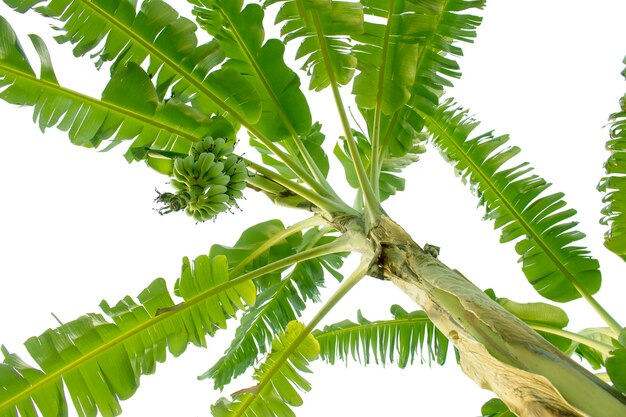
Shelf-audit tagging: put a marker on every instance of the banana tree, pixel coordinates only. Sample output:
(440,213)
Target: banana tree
(225,118)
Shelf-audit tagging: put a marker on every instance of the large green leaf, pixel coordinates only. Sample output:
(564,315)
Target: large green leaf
(241,35)
(99,361)
(278,378)
(400,340)
(337,20)
(155,33)
(129,109)
(515,199)
(405,61)
(615,183)
(275,307)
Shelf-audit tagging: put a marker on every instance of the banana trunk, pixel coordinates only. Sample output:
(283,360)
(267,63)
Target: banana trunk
(497,350)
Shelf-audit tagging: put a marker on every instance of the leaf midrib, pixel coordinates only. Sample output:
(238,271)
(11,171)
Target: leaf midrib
(333,247)
(176,68)
(99,103)
(526,225)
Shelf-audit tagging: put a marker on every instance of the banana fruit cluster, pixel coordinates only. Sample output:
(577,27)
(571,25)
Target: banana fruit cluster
(207,181)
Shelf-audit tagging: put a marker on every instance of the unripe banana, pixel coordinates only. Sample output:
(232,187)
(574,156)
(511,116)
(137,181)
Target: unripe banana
(229,163)
(204,163)
(215,171)
(218,198)
(178,185)
(190,166)
(215,190)
(239,177)
(221,180)
(209,180)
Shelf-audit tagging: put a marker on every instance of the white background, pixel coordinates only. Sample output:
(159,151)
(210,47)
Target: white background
(78,226)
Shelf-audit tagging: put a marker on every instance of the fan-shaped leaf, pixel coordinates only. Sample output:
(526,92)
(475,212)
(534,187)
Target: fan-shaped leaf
(516,201)
(129,108)
(279,378)
(615,183)
(156,32)
(401,339)
(99,361)
(338,19)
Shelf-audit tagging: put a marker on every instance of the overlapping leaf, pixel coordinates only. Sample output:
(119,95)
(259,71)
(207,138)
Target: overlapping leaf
(99,361)
(155,33)
(389,182)
(400,340)
(279,378)
(615,183)
(276,306)
(129,109)
(248,251)
(312,141)
(515,199)
(406,61)
(241,34)
(337,20)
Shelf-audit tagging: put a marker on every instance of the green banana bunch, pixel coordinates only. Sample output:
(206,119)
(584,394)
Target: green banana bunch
(208,181)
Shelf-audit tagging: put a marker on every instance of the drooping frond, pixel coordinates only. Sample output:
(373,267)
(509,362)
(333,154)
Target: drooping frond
(99,361)
(338,20)
(275,307)
(615,183)
(241,35)
(406,57)
(389,182)
(515,199)
(400,340)
(129,109)
(278,377)
(158,36)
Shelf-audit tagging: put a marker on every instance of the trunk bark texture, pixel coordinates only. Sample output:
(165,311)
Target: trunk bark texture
(497,350)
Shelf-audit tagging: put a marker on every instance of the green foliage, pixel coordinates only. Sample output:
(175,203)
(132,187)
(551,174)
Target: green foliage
(99,361)
(276,306)
(155,32)
(400,340)
(496,408)
(389,182)
(419,42)
(516,201)
(278,378)
(170,126)
(240,33)
(337,20)
(250,252)
(615,183)
(616,368)
(312,141)
(181,105)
